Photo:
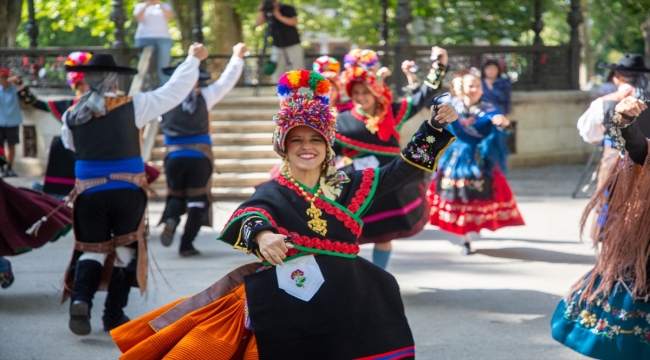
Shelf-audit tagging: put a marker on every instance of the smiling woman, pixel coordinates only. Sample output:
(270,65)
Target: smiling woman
(311,297)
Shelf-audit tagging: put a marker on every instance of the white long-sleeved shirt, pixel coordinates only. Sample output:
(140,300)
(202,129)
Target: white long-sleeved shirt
(214,92)
(590,124)
(151,104)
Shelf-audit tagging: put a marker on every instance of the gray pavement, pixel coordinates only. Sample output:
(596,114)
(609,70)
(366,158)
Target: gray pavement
(495,304)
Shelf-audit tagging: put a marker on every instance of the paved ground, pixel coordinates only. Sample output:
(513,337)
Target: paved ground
(495,304)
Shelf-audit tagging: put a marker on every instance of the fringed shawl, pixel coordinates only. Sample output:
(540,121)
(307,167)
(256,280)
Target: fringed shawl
(625,235)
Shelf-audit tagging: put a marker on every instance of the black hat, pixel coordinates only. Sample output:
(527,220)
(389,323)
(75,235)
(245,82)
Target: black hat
(628,62)
(203,75)
(102,63)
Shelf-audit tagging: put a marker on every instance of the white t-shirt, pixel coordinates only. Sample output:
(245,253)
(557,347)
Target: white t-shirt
(153,24)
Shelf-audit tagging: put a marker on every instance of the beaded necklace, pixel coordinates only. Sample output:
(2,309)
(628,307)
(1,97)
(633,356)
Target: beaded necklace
(316,223)
(372,122)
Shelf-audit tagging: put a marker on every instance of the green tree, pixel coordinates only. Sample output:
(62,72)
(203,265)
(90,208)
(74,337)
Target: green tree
(9,21)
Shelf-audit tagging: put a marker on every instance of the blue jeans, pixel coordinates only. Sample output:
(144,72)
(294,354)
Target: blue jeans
(162,53)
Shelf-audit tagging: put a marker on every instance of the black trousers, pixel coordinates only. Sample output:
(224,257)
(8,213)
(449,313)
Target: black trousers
(187,173)
(101,215)
(182,174)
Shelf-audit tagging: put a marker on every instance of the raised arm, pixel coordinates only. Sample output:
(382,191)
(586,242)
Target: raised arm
(636,143)
(411,105)
(214,92)
(420,154)
(151,104)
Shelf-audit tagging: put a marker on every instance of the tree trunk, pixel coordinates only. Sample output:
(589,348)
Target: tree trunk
(587,53)
(225,27)
(645,28)
(10,11)
(183,16)
(225,31)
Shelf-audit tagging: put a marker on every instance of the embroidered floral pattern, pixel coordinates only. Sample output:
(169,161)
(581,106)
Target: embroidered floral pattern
(298,276)
(588,317)
(362,193)
(447,183)
(340,215)
(420,152)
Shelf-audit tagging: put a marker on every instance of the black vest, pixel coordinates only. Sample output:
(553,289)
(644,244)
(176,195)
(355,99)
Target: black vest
(110,137)
(177,122)
(60,164)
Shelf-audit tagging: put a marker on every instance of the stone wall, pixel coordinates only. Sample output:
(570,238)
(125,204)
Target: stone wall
(546,130)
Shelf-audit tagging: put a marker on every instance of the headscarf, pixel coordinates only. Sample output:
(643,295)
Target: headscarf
(190,103)
(75,59)
(92,101)
(308,109)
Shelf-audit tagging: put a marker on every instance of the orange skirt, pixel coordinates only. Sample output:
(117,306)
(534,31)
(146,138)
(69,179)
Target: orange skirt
(215,331)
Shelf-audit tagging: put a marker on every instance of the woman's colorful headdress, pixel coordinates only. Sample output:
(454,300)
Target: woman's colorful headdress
(361,57)
(75,59)
(384,120)
(310,109)
(326,63)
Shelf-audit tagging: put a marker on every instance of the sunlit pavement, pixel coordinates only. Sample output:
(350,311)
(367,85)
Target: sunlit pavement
(494,304)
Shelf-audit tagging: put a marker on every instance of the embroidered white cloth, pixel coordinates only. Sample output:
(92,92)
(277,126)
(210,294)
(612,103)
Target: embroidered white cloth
(365,162)
(300,278)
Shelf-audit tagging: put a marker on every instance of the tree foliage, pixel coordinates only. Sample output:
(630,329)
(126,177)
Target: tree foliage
(611,27)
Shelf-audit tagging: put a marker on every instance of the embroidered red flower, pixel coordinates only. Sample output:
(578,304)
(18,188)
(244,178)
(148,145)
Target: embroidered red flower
(296,273)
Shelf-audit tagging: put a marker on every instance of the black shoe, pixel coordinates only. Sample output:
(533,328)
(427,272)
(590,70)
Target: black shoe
(167,236)
(79,317)
(189,252)
(10,173)
(466,250)
(110,325)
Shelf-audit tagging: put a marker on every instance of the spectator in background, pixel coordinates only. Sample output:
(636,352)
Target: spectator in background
(496,89)
(286,40)
(153,30)
(10,118)
(608,86)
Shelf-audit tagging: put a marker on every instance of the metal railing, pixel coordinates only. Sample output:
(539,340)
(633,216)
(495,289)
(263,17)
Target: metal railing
(528,67)
(44,67)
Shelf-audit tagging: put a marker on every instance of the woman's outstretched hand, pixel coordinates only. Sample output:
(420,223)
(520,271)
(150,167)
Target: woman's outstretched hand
(273,247)
(446,114)
(500,120)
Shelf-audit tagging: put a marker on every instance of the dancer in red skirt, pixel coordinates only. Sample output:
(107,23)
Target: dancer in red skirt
(469,191)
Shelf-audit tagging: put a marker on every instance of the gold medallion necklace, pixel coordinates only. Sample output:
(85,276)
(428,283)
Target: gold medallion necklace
(316,223)
(372,122)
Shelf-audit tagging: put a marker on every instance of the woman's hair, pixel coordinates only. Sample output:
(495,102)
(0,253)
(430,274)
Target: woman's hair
(488,63)
(610,76)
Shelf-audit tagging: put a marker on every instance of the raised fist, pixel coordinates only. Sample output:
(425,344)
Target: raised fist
(240,50)
(199,51)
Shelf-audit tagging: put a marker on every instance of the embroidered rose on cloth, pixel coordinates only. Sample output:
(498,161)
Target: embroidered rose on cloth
(300,277)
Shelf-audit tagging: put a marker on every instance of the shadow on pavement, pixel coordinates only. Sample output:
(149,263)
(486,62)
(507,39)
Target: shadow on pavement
(531,254)
(496,321)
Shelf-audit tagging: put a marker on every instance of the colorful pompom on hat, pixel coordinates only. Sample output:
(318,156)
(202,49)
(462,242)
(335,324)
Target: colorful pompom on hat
(326,63)
(75,59)
(364,58)
(310,108)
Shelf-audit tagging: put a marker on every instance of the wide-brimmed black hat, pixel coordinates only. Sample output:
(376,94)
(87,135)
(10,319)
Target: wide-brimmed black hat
(628,62)
(102,63)
(203,75)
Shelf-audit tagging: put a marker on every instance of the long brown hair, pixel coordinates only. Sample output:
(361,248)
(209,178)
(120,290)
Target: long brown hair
(625,235)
